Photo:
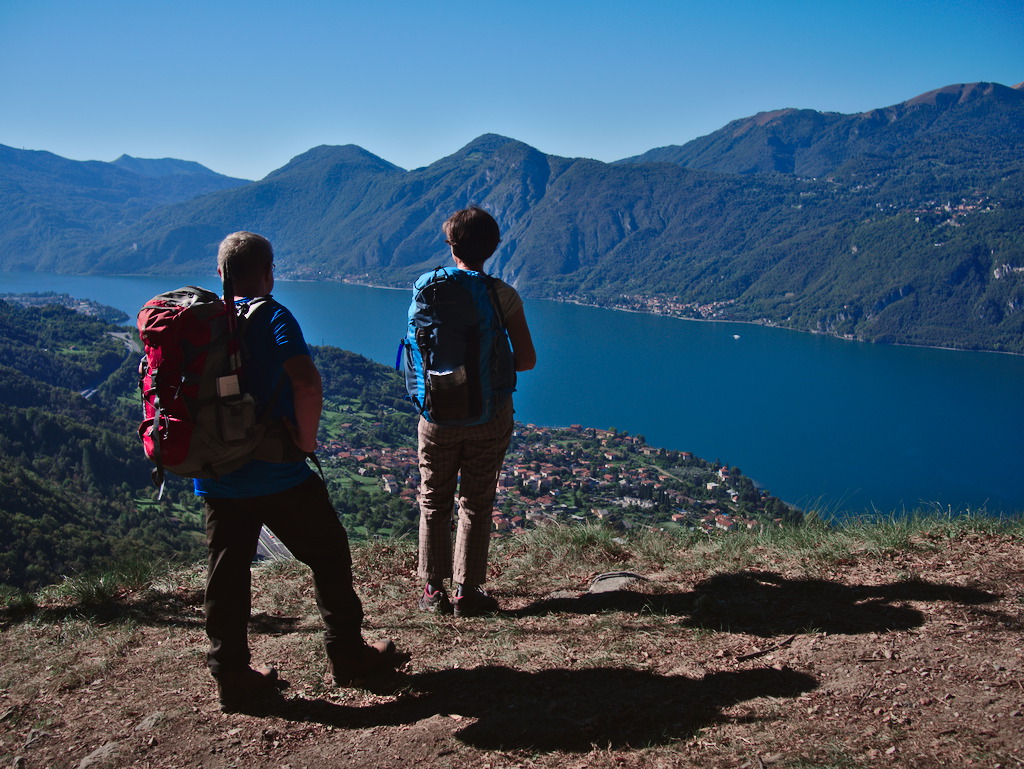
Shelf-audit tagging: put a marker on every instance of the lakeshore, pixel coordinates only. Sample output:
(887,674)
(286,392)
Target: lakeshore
(851,428)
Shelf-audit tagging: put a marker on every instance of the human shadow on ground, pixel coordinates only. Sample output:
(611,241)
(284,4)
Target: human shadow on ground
(767,604)
(559,710)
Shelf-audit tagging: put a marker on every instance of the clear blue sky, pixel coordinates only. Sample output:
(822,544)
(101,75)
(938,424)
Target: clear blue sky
(242,87)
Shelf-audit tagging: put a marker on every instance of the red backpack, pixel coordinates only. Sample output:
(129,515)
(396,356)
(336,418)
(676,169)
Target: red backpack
(198,422)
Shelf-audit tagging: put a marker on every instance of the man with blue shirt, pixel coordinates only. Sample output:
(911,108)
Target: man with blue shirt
(284,494)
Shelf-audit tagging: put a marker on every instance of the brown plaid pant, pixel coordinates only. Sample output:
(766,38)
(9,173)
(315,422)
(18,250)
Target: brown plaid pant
(465,461)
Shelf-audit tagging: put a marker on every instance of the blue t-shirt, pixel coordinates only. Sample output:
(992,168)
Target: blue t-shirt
(272,336)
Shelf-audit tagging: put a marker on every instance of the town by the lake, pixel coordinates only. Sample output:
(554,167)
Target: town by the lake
(579,475)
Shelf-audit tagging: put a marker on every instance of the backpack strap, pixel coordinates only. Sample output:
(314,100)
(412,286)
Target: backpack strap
(228,284)
(319,467)
(492,293)
(157,474)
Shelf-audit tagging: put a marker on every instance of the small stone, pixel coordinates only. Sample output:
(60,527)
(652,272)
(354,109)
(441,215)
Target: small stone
(101,756)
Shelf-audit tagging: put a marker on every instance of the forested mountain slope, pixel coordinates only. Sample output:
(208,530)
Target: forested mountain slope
(804,142)
(75,490)
(904,224)
(70,468)
(54,208)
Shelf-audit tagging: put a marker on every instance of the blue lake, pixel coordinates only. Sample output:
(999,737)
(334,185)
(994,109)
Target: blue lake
(820,422)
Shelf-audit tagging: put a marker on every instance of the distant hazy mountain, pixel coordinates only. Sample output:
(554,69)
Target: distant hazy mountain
(55,208)
(164,167)
(904,224)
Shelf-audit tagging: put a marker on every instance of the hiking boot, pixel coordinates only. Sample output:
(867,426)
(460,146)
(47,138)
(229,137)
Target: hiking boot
(372,660)
(435,601)
(474,602)
(246,689)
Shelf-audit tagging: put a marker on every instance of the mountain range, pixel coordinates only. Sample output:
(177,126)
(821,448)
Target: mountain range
(904,224)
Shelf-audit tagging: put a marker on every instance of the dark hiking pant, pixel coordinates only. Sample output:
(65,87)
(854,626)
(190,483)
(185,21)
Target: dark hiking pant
(305,522)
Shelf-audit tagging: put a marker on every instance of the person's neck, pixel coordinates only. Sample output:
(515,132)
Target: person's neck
(252,290)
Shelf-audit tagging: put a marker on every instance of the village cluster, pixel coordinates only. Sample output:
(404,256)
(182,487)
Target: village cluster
(579,475)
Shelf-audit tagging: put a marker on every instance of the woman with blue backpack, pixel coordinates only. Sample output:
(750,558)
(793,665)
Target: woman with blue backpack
(467,338)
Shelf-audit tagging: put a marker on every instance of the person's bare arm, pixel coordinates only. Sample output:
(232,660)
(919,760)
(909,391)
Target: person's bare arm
(522,342)
(307,389)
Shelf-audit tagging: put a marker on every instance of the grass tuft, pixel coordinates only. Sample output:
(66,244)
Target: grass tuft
(16,604)
(99,593)
(562,551)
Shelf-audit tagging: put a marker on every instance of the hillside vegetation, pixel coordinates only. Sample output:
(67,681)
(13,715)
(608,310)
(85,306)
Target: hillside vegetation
(75,490)
(70,467)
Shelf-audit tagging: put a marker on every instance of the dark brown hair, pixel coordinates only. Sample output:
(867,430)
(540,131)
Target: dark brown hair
(473,235)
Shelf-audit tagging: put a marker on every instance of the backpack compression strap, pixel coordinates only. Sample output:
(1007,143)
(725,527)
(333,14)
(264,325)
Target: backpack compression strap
(157,473)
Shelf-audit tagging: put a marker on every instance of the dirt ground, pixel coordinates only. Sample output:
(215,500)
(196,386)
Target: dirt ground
(912,658)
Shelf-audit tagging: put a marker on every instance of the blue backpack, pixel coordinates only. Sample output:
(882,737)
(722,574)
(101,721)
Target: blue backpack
(456,356)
